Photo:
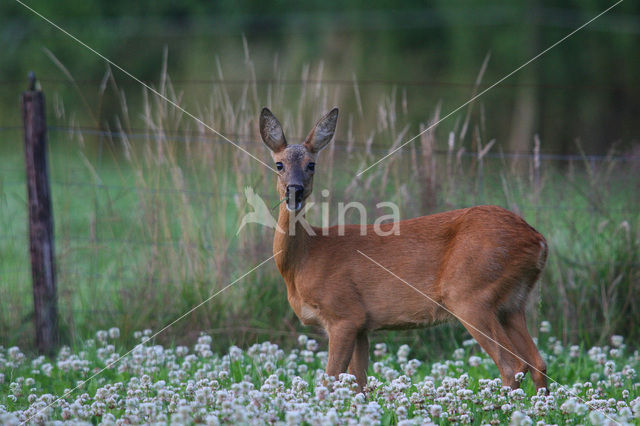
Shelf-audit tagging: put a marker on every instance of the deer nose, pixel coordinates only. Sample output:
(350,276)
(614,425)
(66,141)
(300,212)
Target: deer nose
(294,197)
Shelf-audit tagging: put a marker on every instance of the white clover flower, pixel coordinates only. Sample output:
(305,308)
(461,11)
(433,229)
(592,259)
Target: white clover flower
(596,417)
(101,336)
(401,412)
(211,420)
(15,354)
(302,340)
(435,410)
(557,348)
(569,406)
(389,373)
(475,361)
(198,388)
(464,419)
(235,353)
(609,368)
(269,366)
(182,351)
(615,353)
(323,357)
(9,419)
(517,394)
(458,353)
(597,354)
(518,418)
(581,409)
(625,413)
(321,393)
(574,351)
(293,417)
(307,356)
(204,339)
(412,367)
(332,416)
(545,327)
(114,332)
(629,372)
(380,350)
(312,345)
(403,353)
(519,376)
(617,340)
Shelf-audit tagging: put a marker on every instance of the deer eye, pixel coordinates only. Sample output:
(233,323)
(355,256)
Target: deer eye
(279,166)
(311,166)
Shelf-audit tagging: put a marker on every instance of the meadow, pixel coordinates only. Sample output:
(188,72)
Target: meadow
(265,384)
(147,212)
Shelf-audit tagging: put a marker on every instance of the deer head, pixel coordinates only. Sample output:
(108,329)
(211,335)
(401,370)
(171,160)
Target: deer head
(296,163)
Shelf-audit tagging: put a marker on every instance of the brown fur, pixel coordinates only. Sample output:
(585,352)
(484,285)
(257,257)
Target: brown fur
(479,263)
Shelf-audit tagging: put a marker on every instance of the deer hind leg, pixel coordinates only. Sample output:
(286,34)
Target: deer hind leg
(360,359)
(515,324)
(484,326)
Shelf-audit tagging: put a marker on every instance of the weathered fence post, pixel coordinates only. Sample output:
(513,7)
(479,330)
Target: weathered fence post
(45,302)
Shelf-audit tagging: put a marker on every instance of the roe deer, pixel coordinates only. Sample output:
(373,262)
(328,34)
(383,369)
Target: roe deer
(477,264)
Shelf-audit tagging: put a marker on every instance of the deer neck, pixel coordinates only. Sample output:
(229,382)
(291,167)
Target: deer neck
(291,245)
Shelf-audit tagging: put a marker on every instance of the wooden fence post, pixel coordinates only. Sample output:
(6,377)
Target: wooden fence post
(41,247)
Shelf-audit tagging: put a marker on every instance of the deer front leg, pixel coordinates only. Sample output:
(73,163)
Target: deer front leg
(342,340)
(360,359)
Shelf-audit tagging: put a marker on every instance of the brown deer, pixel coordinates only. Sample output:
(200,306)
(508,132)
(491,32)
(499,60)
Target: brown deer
(477,264)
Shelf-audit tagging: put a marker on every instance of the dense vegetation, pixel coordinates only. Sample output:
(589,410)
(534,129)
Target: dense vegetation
(148,202)
(147,217)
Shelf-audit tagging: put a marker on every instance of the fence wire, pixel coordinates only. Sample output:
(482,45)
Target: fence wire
(342,144)
(82,242)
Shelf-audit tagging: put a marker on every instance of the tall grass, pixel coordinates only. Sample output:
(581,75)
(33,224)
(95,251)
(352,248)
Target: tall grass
(146,221)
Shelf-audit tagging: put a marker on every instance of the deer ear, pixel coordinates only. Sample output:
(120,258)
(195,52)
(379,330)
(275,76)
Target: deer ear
(271,131)
(322,133)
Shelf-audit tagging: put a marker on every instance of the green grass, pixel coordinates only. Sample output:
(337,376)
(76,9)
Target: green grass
(146,226)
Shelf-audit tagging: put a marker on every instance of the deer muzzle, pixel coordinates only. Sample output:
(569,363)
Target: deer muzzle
(293,197)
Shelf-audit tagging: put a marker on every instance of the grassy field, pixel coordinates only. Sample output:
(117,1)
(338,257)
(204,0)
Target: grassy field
(147,215)
(266,384)
(146,228)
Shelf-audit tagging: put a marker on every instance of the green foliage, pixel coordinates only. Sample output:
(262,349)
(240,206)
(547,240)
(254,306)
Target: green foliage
(146,220)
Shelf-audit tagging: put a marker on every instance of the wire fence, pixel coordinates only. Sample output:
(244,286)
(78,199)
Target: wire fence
(84,242)
(197,137)
(191,136)
(80,246)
